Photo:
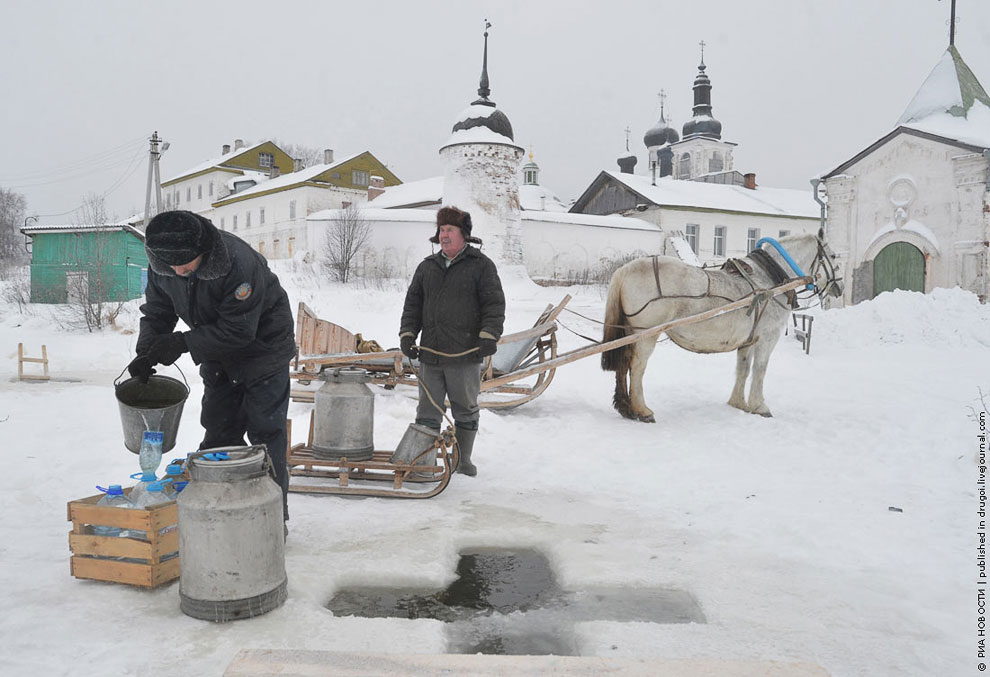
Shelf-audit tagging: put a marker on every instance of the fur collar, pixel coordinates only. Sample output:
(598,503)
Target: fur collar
(215,264)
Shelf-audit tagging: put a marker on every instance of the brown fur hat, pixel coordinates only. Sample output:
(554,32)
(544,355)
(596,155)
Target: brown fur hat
(452,216)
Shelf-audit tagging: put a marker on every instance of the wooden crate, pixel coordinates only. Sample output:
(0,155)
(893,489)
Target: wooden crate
(87,548)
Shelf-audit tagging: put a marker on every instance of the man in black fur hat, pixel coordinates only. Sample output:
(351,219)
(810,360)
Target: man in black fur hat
(240,331)
(456,300)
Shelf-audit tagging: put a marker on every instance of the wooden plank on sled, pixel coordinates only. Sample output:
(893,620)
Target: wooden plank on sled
(639,335)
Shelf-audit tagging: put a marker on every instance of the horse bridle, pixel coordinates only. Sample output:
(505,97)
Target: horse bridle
(824,260)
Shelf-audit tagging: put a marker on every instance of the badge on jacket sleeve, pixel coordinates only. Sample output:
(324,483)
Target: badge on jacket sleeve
(243,291)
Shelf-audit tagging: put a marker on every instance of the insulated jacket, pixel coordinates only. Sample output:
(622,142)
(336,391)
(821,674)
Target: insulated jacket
(237,312)
(454,306)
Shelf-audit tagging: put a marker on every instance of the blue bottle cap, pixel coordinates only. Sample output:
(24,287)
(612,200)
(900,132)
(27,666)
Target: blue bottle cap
(115,490)
(179,486)
(174,469)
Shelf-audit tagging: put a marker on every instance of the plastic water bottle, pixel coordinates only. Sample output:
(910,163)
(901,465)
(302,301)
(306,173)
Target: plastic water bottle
(113,497)
(150,456)
(173,473)
(153,494)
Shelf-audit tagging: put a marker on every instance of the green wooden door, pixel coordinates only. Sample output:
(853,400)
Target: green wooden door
(899,265)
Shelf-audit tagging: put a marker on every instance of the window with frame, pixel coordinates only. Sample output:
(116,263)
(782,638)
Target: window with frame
(189,194)
(261,248)
(266,159)
(247,220)
(261,216)
(222,220)
(168,201)
(691,235)
(211,189)
(684,167)
(199,191)
(752,237)
(233,220)
(715,162)
(718,242)
(292,209)
(359,178)
(275,248)
(783,233)
(292,246)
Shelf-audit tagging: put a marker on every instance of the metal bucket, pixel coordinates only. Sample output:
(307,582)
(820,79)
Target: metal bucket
(417,439)
(231,541)
(344,424)
(155,405)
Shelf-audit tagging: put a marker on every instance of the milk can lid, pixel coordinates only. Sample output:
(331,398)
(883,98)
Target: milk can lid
(227,463)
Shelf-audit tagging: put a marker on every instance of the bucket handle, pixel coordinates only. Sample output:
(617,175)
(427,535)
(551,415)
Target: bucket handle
(117,381)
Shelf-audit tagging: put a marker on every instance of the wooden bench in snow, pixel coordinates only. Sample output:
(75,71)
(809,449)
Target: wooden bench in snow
(323,345)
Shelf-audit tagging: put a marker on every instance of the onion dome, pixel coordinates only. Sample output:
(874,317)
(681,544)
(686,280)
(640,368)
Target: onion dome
(702,123)
(661,133)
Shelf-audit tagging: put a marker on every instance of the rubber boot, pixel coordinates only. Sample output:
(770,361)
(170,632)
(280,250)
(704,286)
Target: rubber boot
(465,444)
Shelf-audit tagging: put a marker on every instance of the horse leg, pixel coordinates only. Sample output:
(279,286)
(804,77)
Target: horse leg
(757,404)
(744,359)
(637,366)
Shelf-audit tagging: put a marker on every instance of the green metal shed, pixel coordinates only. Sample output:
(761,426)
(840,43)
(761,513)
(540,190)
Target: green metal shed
(95,263)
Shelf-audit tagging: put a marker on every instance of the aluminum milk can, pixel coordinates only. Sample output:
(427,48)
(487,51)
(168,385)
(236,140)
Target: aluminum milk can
(345,416)
(231,540)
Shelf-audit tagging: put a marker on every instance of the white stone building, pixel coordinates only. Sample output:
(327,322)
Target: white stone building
(912,210)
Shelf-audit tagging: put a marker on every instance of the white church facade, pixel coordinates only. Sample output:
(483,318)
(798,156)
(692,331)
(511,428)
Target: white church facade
(912,210)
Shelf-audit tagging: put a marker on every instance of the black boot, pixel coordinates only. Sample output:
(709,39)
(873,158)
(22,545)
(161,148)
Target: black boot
(465,443)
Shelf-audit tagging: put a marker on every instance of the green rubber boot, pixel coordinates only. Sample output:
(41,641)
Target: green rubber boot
(465,444)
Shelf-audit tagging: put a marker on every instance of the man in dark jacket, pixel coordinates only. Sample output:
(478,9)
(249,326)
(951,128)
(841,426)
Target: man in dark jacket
(456,300)
(240,331)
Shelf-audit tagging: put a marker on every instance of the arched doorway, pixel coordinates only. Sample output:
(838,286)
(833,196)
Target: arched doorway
(899,265)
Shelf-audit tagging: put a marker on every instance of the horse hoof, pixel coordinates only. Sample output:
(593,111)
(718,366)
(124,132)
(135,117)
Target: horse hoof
(648,419)
(764,414)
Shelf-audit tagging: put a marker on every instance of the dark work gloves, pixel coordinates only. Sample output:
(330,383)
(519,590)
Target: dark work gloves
(408,346)
(140,368)
(166,349)
(487,347)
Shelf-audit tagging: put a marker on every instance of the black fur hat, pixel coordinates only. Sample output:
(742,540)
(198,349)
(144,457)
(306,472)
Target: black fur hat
(452,216)
(177,237)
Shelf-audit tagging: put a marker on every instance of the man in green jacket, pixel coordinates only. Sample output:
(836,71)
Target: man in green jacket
(455,299)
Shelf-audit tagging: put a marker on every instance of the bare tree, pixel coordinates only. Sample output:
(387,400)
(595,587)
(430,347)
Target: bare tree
(89,283)
(12,210)
(347,234)
(310,156)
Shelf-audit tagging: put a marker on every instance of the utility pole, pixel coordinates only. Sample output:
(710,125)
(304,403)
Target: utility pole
(154,177)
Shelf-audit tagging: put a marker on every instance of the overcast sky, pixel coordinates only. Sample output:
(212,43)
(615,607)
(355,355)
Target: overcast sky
(800,86)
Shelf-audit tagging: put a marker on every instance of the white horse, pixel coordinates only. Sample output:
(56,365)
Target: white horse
(653,290)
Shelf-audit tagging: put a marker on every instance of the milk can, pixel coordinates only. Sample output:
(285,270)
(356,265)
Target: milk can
(345,416)
(231,540)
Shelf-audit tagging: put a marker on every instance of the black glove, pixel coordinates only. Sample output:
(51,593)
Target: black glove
(167,349)
(487,347)
(407,344)
(140,368)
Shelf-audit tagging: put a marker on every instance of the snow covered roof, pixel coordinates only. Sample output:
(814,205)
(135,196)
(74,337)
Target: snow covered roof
(610,221)
(478,135)
(72,228)
(670,192)
(950,106)
(217,162)
(412,194)
(538,198)
(286,181)
(951,103)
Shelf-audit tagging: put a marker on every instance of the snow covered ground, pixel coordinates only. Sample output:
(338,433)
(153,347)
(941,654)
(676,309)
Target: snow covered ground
(842,532)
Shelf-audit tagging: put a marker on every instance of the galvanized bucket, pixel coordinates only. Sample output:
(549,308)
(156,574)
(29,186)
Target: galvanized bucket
(231,540)
(417,440)
(155,405)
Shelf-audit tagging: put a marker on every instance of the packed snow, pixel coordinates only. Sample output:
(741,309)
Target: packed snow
(842,531)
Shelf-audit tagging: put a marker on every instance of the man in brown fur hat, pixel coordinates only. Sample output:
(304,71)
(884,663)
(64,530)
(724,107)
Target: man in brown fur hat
(455,299)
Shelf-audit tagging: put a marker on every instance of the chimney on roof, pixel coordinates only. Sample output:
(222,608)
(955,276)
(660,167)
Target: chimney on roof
(376,186)
(225,149)
(749,181)
(238,144)
(327,156)
(297,164)
(274,171)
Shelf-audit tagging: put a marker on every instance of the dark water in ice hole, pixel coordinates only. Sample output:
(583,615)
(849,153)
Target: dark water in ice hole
(508,602)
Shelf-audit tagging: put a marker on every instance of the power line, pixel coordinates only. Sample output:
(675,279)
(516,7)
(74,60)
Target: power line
(107,159)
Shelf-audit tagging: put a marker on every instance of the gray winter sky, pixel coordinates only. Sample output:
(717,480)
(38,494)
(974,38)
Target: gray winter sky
(800,85)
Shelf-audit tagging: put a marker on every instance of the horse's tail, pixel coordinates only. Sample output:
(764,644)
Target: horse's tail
(617,359)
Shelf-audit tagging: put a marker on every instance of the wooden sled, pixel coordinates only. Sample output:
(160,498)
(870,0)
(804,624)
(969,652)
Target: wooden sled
(337,475)
(323,345)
